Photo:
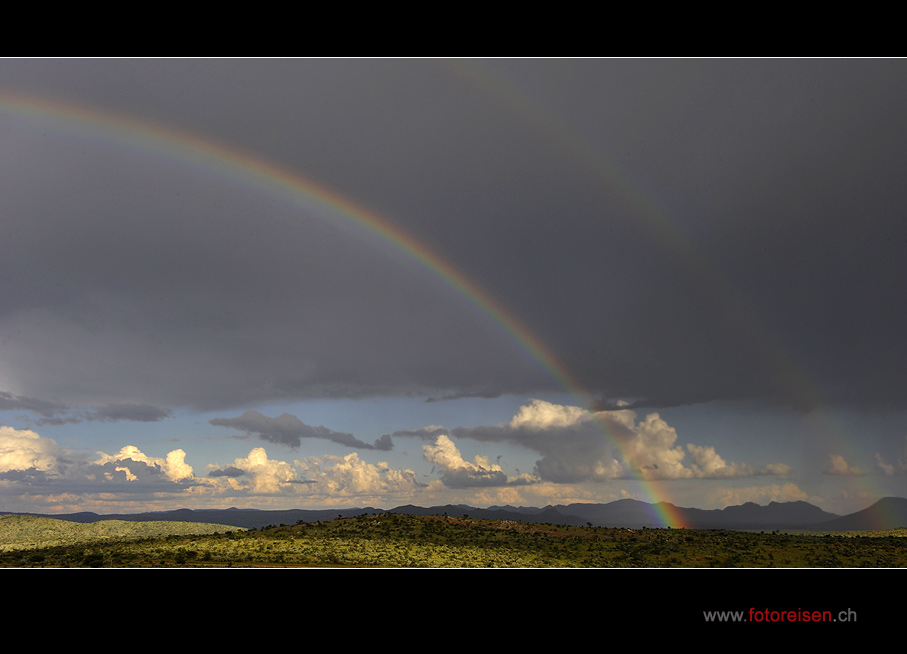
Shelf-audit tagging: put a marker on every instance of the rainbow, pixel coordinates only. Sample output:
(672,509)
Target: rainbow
(193,150)
(517,101)
(260,173)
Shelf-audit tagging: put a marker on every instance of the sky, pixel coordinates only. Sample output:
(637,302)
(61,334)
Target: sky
(320,283)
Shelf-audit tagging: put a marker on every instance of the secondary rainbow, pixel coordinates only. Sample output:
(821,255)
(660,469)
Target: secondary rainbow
(269,177)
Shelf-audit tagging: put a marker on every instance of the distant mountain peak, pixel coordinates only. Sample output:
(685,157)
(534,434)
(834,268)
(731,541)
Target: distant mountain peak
(887,513)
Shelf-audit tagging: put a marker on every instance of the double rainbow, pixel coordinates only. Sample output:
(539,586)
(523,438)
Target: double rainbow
(196,151)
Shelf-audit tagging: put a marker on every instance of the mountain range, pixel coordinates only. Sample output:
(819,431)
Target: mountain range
(887,513)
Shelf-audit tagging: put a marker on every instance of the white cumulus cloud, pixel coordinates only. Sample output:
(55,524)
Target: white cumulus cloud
(263,475)
(24,449)
(351,475)
(459,473)
(173,467)
(840,466)
(580,445)
(545,415)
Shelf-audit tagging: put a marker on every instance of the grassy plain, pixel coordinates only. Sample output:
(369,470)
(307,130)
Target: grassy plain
(403,541)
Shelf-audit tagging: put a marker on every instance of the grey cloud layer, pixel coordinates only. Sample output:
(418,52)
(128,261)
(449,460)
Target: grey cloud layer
(55,413)
(289,430)
(675,231)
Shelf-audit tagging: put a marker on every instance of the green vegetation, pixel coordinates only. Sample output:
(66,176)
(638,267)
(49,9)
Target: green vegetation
(19,532)
(391,540)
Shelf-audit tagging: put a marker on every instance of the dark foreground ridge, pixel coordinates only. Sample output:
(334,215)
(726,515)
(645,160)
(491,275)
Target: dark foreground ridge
(887,513)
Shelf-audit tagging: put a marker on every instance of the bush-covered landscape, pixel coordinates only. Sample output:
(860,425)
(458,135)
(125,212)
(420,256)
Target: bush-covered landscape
(407,541)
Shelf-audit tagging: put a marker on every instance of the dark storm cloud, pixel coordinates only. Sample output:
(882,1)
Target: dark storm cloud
(425,433)
(465,395)
(45,408)
(289,430)
(231,471)
(674,231)
(23,477)
(473,478)
(132,412)
(574,453)
(55,413)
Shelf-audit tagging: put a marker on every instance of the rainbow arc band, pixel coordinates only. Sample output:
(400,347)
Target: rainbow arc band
(270,178)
